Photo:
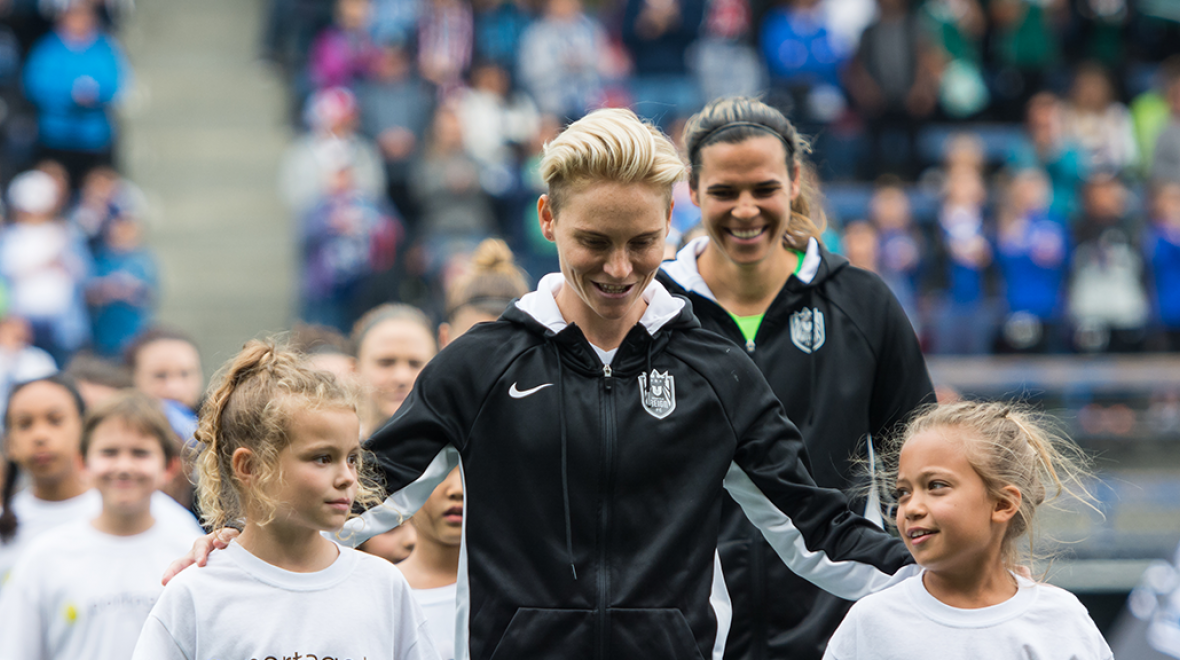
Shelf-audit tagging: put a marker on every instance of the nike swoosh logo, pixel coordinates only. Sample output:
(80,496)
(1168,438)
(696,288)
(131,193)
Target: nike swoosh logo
(520,394)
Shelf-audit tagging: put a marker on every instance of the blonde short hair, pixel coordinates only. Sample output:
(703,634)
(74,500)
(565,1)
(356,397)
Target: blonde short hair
(613,145)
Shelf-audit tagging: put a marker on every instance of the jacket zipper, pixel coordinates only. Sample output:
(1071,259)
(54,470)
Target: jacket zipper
(605,484)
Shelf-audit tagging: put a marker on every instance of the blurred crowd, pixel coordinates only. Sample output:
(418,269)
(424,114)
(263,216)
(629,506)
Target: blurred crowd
(75,273)
(1010,167)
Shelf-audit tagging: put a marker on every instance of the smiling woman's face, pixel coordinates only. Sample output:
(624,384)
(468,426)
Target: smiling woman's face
(745,190)
(610,242)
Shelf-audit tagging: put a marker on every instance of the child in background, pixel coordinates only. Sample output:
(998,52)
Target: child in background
(283,455)
(325,349)
(968,479)
(84,589)
(43,429)
(432,569)
(481,294)
(123,288)
(97,379)
(43,426)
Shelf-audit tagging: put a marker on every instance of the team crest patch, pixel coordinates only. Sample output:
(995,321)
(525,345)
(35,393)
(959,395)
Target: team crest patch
(658,393)
(807,329)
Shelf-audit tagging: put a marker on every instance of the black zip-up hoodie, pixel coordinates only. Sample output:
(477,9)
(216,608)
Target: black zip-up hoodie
(593,494)
(842,357)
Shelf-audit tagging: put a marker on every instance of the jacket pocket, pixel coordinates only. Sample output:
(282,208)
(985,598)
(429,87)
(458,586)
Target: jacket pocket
(652,634)
(535,634)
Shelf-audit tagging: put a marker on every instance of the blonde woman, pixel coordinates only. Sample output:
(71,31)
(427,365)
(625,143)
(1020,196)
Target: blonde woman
(596,425)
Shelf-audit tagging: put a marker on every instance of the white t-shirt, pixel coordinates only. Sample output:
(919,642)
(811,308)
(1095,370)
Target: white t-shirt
(36,516)
(81,593)
(438,606)
(905,622)
(238,606)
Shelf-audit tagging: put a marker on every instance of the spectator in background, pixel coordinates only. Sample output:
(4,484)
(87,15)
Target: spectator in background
(1046,147)
(343,53)
(456,212)
(445,35)
(394,21)
(538,255)
(345,241)
(956,29)
(304,172)
(892,79)
(1107,301)
(1150,112)
(804,60)
(20,361)
(496,122)
(1026,48)
(396,107)
(123,289)
(657,35)
(1032,253)
(965,317)
(45,262)
(724,60)
(96,204)
(561,60)
(499,27)
(74,76)
(97,379)
(326,348)
(1161,245)
(166,365)
(1165,165)
(861,245)
(900,245)
(1095,120)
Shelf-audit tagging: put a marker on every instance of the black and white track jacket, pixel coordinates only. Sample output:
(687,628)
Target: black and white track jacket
(593,493)
(843,359)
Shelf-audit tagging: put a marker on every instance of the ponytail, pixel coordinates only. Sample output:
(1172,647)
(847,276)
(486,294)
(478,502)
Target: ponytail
(493,282)
(8,520)
(251,405)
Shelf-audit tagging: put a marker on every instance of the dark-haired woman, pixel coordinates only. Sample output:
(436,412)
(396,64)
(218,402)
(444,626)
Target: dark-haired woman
(831,339)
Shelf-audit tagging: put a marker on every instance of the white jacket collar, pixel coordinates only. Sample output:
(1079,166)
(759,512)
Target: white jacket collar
(541,304)
(683,269)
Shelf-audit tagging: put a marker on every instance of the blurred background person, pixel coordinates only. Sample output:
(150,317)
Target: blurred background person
(74,76)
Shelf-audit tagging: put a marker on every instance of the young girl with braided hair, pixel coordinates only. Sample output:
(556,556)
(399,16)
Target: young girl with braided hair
(282,458)
(968,479)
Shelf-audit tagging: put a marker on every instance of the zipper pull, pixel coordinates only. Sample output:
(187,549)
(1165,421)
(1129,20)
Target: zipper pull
(749,345)
(606,371)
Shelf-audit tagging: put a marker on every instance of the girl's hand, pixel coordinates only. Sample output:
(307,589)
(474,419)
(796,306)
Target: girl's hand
(217,540)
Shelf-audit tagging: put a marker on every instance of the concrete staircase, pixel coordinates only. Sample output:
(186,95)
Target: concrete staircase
(203,134)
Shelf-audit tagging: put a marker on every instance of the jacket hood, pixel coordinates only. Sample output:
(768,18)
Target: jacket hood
(538,312)
(818,265)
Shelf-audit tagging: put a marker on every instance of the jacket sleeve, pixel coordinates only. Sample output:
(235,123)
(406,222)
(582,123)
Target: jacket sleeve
(415,450)
(811,528)
(901,383)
